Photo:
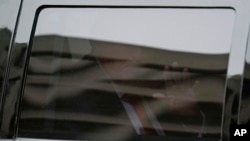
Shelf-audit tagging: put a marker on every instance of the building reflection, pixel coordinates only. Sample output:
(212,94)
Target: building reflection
(85,89)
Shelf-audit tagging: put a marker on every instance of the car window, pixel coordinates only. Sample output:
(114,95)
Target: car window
(127,74)
(244,109)
(5,36)
(7,26)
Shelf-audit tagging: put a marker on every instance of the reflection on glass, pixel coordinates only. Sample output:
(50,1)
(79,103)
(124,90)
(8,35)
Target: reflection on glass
(5,36)
(90,89)
(245,98)
(177,29)
(113,88)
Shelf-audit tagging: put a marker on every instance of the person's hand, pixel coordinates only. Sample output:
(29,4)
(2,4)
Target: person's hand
(179,96)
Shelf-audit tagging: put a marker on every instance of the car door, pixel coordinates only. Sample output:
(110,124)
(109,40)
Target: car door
(128,70)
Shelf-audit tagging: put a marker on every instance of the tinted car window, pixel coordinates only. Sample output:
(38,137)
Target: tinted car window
(5,36)
(244,113)
(127,74)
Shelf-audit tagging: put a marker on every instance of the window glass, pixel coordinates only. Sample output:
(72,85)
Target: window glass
(245,98)
(127,74)
(5,36)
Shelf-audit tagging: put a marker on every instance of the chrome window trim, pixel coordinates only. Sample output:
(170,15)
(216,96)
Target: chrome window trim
(237,55)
